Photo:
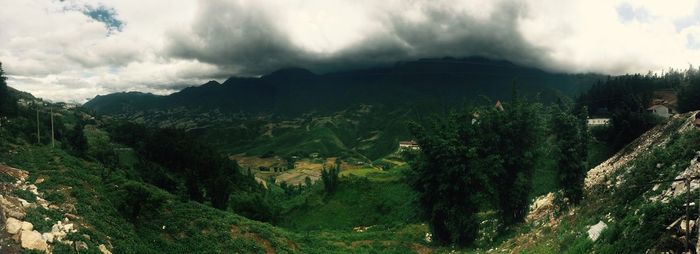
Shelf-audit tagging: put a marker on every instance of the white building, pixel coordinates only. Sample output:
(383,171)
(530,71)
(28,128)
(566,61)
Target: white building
(408,145)
(660,110)
(592,122)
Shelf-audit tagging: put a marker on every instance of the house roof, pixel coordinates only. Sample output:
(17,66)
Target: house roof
(656,106)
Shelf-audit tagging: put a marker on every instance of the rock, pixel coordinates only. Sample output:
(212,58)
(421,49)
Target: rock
(87,237)
(33,189)
(683,226)
(12,207)
(80,246)
(595,230)
(71,216)
(48,237)
(39,180)
(67,227)
(104,249)
(32,240)
(23,202)
(13,225)
(27,226)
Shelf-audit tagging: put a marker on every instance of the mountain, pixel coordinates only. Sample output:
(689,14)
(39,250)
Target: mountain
(296,91)
(356,113)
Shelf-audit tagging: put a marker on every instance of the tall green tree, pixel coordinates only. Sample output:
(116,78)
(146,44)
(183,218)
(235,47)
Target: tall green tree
(77,139)
(450,178)
(8,105)
(512,135)
(479,159)
(689,95)
(571,151)
(330,178)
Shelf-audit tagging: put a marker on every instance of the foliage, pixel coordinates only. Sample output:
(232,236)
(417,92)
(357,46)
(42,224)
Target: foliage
(625,99)
(571,134)
(8,104)
(77,140)
(689,93)
(330,178)
(182,160)
(464,157)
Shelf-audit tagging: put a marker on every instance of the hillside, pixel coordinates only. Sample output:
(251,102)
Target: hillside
(631,204)
(360,114)
(57,201)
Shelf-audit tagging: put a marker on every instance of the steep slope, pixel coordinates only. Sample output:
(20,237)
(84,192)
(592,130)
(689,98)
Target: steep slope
(632,204)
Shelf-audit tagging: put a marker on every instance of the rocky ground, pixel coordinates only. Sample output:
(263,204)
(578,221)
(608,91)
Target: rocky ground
(16,233)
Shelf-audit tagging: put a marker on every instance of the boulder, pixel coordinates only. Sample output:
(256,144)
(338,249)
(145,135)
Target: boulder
(48,237)
(80,246)
(104,249)
(13,225)
(12,207)
(27,226)
(32,240)
(595,230)
(683,225)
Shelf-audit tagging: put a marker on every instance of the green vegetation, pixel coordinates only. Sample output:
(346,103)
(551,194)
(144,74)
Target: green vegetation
(689,92)
(463,158)
(330,178)
(571,135)
(8,104)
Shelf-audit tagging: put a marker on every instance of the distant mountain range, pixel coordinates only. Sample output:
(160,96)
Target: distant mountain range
(357,109)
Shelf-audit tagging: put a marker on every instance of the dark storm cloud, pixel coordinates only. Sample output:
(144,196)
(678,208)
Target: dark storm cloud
(232,37)
(245,41)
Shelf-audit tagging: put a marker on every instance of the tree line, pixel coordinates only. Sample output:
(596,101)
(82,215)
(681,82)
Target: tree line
(483,158)
(179,163)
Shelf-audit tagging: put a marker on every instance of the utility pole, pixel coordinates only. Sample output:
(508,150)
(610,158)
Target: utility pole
(52,133)
(687,214)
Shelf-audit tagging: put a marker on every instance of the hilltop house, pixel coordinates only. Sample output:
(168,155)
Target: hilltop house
(660,110)
(408,145)
(593,122)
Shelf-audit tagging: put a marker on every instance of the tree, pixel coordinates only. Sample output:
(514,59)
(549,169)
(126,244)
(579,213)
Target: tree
(479,159)
(77,139)
(689,95)
(330,178)
(8,105)
(571,151)
(450,179)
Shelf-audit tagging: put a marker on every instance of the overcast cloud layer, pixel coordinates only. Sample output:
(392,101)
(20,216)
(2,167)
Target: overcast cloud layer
(74,50)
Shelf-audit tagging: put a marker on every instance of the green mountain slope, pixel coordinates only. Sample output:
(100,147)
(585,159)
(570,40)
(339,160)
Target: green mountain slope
(360,113)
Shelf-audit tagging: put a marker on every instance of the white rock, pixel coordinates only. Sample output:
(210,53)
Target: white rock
(68,227)
(32,188)
(595,230)
(104,249)
(48,237)
(27,226)
(683,226)
(13,225)
(32,240)
(24,202)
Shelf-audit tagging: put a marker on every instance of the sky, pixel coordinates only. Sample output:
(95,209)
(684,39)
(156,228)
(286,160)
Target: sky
(73,50)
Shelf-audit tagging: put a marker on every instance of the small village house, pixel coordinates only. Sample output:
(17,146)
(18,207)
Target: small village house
(660,110)
(408,145)
(594,122)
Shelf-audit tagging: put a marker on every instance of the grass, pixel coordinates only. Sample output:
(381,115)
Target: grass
(357,202)
(190,227)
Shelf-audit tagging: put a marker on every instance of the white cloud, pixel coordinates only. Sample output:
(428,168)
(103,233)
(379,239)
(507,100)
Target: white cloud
(52,49)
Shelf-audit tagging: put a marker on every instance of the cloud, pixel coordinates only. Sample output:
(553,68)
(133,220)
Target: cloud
(75,49)
(244,38)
